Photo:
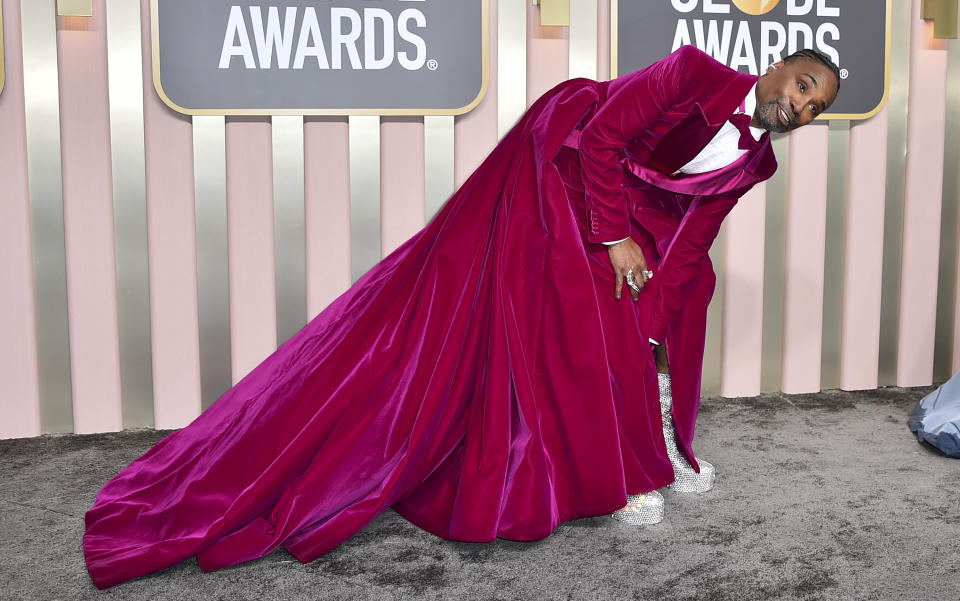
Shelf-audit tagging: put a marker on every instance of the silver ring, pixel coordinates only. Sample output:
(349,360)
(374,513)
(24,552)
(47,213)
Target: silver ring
(647,274)
(633,286)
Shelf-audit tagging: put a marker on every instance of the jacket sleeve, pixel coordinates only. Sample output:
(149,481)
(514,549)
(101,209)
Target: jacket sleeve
(685,259)
(638,104)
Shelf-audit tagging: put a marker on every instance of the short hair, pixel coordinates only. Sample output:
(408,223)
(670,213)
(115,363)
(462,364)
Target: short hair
(820,57)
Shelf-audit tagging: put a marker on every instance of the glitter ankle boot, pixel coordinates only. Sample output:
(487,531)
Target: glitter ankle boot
(686,480)
(641,509)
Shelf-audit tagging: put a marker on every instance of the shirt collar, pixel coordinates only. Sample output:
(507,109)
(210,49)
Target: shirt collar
(749,105)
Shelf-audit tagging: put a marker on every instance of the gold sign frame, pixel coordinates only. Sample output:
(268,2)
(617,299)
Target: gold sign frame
(614,36)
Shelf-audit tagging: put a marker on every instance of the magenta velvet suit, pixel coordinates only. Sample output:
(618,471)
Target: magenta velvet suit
(481,380)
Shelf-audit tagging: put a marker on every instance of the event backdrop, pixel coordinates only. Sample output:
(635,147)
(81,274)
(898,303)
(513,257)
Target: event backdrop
(150,259)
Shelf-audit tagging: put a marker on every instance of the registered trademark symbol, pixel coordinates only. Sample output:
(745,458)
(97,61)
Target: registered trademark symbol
(432,64)
(844,74)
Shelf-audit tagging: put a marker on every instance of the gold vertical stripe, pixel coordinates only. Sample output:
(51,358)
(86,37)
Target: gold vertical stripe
(125,76)
(75,8)
(290,244)
(555,13)
(438,151)
(3,72)
(945,25)
(774,270)
(838,151)
(511,63)
(583,38)
(364,194)
(41,90)
(213,284)
(944,351)
(713,347)
(896,182)
(944,15)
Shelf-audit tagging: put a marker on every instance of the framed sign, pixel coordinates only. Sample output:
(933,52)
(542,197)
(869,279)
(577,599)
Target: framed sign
(336,57)
(750,35)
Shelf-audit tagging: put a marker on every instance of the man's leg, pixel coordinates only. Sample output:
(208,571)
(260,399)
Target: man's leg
(648,507)
(660,357)
(687,480)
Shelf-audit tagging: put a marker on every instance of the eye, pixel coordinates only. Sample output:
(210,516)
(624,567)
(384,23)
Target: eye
(813,109)
(803,87)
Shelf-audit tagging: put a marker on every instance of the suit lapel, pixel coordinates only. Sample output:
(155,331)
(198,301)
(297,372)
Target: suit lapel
(755,166)
(690,132)
(683,131)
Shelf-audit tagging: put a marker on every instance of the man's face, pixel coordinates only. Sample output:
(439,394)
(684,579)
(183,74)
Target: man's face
(792,93)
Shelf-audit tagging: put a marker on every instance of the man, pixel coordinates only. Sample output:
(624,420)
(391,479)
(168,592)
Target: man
(480,380)
(687,158)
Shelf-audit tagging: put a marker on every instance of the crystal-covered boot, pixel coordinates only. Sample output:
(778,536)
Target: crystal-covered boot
(686,480)
(641,509)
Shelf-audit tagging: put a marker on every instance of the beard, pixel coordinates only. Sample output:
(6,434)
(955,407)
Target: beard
(768,116)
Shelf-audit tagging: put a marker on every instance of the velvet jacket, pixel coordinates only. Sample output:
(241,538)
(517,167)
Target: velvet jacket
(645,127)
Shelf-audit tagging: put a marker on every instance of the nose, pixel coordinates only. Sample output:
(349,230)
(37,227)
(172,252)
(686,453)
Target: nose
(794,104)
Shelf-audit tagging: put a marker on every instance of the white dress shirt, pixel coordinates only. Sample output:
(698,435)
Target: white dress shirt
(719,152)
(722,150)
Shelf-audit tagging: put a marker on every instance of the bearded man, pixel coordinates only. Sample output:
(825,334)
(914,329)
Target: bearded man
(663,161)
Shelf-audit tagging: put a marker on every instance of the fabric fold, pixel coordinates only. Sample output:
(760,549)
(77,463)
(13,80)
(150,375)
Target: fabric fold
(481,380)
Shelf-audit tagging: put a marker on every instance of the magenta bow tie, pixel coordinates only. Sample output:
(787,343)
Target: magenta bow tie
(742,122)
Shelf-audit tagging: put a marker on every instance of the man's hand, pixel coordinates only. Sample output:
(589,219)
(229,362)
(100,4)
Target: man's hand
(624,257)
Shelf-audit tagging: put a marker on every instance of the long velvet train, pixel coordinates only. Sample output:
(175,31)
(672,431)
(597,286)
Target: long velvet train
(481,380)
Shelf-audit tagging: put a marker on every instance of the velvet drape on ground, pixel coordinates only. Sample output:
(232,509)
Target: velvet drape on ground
(482,380)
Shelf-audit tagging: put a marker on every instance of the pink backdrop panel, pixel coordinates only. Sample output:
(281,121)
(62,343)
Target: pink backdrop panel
(548,55)
(88,222)
(805,248)
(402,180)
(326,142)
(20,401)
(926,123)
(743,296)
(253,303)
(603,39)
(172,251)
(863,254)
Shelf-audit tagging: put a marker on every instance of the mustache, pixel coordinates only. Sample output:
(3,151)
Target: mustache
(779,103)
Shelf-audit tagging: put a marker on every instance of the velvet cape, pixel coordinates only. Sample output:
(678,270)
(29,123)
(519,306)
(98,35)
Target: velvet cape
(481,380)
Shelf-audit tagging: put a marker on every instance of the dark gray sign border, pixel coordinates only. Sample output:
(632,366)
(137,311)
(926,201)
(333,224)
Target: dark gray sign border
(157,84)
(614,36)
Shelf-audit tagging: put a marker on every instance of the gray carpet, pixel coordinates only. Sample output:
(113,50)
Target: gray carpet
(825,496)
